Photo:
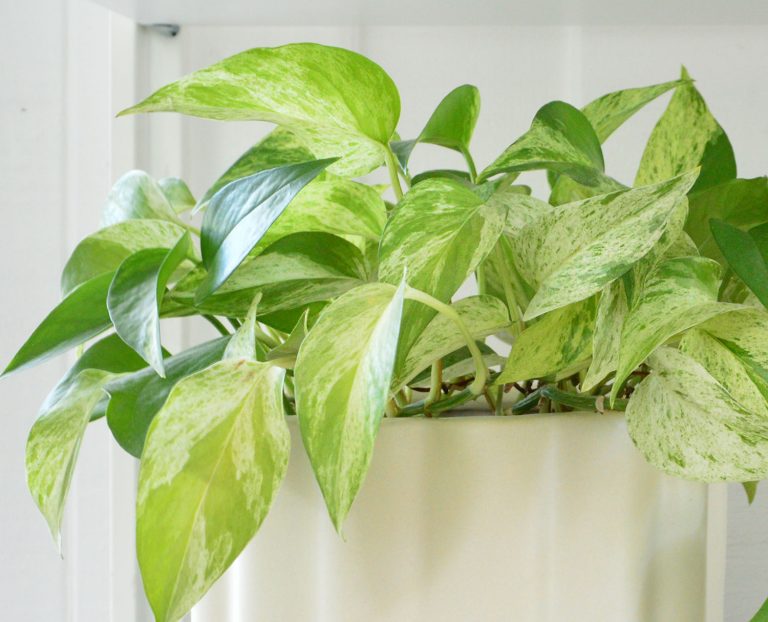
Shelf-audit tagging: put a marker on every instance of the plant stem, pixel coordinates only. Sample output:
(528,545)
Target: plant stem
(435,382)
(500,400)
(481,373)
(394,179)
(470,165)
(417,408)
(217,325)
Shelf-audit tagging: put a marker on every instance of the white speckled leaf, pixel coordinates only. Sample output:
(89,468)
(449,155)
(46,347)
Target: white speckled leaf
(559,343)
(54,442)
(580,247)
(727,368)
(483,315)
(500,278)
(342,378)
(609,112)
(687,136)
(437,236)
(561,140)
(137,195)
(687,424)
(106,249)
(213,460)
(679,294)
(338,102)
(611,312)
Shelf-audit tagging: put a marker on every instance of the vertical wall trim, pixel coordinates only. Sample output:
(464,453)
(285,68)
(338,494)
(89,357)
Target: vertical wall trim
(573,63)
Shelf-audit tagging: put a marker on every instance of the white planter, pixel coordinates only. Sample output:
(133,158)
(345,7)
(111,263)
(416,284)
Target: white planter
(523,519)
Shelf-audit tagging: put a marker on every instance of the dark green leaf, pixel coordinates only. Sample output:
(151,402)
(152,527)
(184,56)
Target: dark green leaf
(747,254)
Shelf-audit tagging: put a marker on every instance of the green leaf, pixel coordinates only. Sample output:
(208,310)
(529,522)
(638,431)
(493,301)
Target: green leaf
(54,442)
(295,271)
(278,148)
(559,343)
(679,294)
(762,614)
(137,196)
(243,343)
(609,112)
(483,316)
(500,278)
(285,354)
(451,124)
(578,248)
(750,488)
(342,379)
(562,140)
(106,249)
(136,398)
(687,136)
(215,456)
(81,315)
(338,102)
(240,214)
(178,194)
(611,313)
(135,295)
(687,424)
(742,203)
(747,254)
(438,235)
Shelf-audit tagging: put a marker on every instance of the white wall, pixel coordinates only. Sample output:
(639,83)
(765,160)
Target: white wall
(67,68)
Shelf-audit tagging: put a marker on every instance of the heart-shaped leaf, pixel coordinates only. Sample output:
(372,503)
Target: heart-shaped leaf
(136,398)
(451,125)
(81,315)
(687,136)
(215,456)
(178,194)
(135,295)
(137,196)
(746,253)
(342,379)
(339,102)
(687,424)
(240,214)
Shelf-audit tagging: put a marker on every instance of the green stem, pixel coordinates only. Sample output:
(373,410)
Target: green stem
(417,408)
(470,166)
(500,400)
(394,179)
(436,381)
(217,325)
(481,373)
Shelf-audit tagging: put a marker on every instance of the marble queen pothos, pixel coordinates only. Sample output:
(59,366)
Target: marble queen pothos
(338,306)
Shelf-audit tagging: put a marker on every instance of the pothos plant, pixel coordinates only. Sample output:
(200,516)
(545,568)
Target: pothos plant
(338,307)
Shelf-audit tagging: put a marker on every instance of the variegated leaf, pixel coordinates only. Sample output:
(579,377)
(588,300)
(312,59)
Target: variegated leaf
(243,344)
(483,316)
(284,355)
(438,235)
(728,368)
(215,456)
(54,443)
(106,249)
(342,378)
(609,112)
(451,124)
(687,136)
(679,294)
(295,271)
(687,424)
(338,102)
(577,249)
(561,140)
(178,194)
(135,295)
(137,195)
(611,313)
(559,343)
(136,398)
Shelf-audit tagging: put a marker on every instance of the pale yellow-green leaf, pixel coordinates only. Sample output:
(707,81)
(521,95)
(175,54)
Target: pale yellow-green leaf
(687,424)
(243,343)
(137,195)
(54,442)
(339,103)
(483,316)
(342,377)
(559,343)
(611,312)
(578,248)
(213,460)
